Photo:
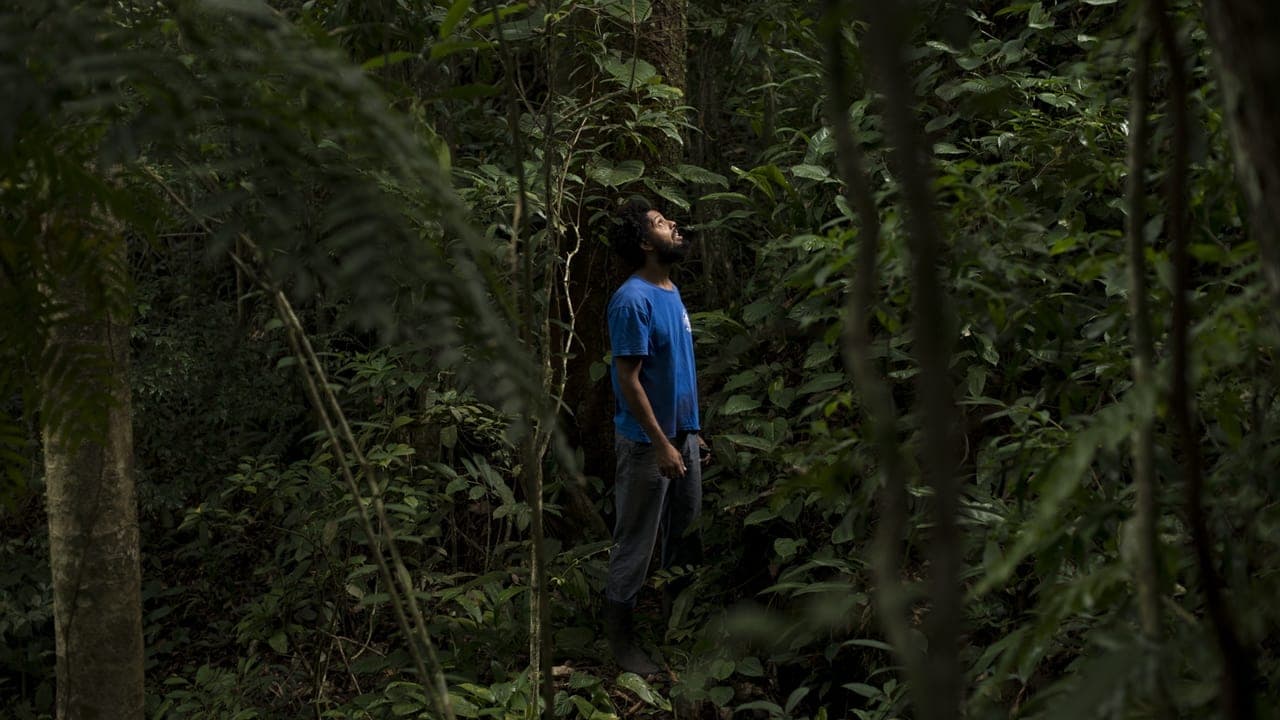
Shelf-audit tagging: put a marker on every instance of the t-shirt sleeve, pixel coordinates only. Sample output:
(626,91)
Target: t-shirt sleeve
(629,329)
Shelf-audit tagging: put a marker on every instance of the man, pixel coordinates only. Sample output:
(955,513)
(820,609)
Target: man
(659,479)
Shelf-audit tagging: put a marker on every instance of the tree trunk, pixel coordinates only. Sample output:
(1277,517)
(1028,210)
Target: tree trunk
(1146,510)
(93,522)
(1246,45)
(661,41)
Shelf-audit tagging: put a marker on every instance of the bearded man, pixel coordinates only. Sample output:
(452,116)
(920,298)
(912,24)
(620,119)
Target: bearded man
(658,483)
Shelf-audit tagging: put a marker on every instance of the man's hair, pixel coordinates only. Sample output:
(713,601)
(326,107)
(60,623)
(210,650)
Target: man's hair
(631,226)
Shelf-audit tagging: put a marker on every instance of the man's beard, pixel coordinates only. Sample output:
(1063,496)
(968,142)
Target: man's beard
(672,254)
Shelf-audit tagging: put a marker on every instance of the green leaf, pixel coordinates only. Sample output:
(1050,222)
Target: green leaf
(279,642)
(448,47)
(794,699)
(1038,19)
(487,19)
(701,176)
(672,196)
(751,441)
(877,644)
(739,404)
(598,370)
(811,172)
(721,695)
(463,707)
(387,59)
(771,708)
(616,176)
(787,547)
(632,11)
(863,689)
(629,72)
(449,436)
(940,122)
(1058,101)
(637,685)
(821,383)
(729,196)
(456,11)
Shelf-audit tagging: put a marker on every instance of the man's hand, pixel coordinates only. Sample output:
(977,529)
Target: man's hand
(704,451)
(670,461)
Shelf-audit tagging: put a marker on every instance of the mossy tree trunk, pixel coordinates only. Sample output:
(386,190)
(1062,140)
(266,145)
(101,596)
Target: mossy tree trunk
(93,520)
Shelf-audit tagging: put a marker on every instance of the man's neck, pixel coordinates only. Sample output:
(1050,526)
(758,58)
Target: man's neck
(655,273)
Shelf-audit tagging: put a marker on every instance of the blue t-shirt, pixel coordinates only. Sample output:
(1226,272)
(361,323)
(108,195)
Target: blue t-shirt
(650,322)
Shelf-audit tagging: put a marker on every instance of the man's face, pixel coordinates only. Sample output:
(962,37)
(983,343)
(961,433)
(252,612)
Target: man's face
(665,238)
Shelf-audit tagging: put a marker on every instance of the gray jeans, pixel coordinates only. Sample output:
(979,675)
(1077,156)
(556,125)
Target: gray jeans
(651,506)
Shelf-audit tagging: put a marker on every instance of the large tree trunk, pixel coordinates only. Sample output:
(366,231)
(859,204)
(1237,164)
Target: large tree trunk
(662,43)
(1246,42)
(93,522)
(659,40)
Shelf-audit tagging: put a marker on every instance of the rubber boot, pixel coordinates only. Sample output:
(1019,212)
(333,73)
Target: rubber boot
(620,632)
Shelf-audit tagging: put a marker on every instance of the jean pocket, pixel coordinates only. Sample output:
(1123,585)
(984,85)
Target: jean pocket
(628,448)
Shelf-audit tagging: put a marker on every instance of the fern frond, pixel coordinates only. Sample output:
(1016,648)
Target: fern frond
(268,135)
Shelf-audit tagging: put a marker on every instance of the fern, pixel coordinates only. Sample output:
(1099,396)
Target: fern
(224,115)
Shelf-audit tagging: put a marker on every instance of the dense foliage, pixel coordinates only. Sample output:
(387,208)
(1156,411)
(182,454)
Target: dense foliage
(423,179)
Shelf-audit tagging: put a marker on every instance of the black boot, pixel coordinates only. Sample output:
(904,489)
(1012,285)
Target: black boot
(619,631)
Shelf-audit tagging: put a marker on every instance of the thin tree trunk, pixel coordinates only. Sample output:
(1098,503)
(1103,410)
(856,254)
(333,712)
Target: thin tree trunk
(1146,511)
(877,401)
(942,695)
(524,253)
(1237,664)
(93,518)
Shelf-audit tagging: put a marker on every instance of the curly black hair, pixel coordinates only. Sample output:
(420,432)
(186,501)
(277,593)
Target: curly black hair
(631,225)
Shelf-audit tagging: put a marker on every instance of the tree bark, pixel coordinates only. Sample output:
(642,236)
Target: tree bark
(1246,45)
(93,521)
(661,41)
(1247,59)
(877,399)
(1146,511)
(941,694)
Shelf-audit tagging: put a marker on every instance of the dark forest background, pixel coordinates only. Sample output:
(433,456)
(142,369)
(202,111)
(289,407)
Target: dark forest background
(304,397)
